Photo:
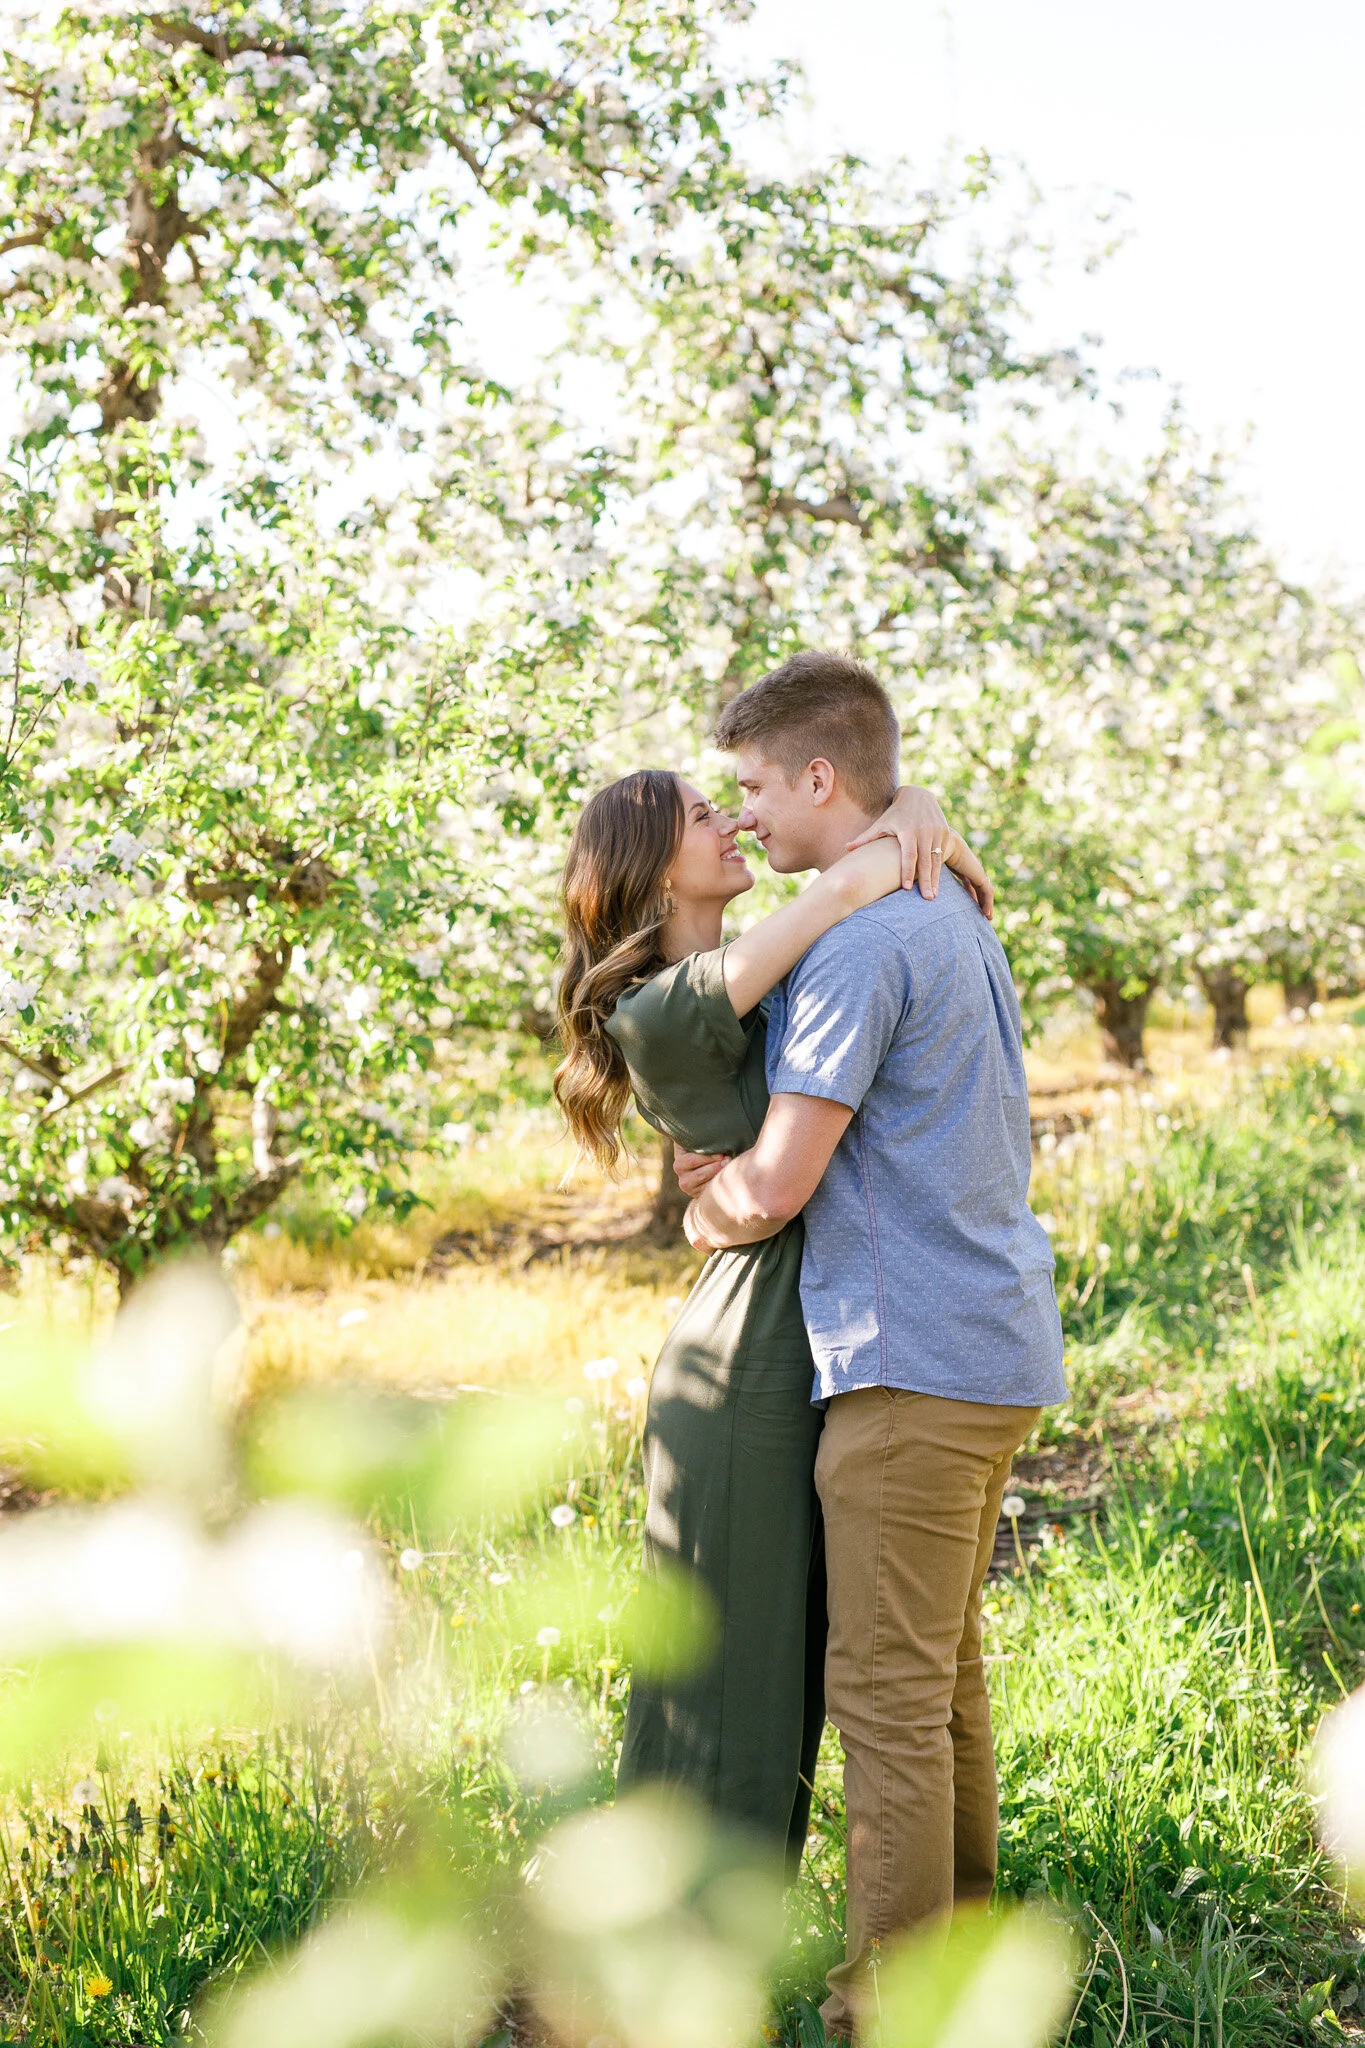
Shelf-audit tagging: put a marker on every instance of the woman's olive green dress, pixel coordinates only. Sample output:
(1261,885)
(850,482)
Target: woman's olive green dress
(730,1442)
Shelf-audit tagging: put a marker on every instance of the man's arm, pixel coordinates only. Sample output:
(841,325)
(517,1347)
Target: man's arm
(754,1195)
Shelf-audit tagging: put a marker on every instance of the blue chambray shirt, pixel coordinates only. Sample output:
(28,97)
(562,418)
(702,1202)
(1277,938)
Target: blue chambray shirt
(924,1266)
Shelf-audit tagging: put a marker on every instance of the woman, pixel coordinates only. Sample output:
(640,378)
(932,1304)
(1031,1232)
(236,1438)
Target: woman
(651,1004)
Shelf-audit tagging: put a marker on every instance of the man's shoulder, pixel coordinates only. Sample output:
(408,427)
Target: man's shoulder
(903,942)
(899,921)
(861,938)
(859,962)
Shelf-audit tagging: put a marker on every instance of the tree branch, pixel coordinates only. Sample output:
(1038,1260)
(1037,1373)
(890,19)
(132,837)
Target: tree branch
(265,1126)
(467,157)
(215,42)
(35,1066)
(307,883)
(29,240)
(234,889)
(255,1199)
(197,1135)
(100,1225)
(839,511)
(104,1080)
(844,512)
(246,1014)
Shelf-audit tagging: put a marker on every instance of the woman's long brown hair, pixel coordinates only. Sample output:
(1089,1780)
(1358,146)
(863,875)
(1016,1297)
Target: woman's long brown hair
(615,907)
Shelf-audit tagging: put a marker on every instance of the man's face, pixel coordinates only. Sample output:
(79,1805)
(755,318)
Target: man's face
(783,815)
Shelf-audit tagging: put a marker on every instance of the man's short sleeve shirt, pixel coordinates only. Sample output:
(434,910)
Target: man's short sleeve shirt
(924,1266)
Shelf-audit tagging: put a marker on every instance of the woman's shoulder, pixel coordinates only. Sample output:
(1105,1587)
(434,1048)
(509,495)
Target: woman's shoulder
(675,1002)
(689,1055)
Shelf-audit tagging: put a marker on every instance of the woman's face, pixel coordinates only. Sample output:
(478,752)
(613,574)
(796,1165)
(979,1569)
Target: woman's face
(708,867)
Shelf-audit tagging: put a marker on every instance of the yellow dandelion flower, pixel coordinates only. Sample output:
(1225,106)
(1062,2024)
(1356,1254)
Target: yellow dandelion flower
(97,1986)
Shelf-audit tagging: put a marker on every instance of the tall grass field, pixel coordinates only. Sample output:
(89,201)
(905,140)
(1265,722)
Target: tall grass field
(1181,1600)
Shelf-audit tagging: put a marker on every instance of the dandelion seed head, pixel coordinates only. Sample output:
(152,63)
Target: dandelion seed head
(547,1638)
(563,1516)
(411,1560)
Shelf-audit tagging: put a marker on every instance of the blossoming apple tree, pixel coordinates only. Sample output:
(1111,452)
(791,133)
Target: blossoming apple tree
(266,818)
(313,626)
(1133,717)
(1099,664)
(278,813)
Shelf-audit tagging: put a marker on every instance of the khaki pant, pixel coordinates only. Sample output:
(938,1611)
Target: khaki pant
(911,1487)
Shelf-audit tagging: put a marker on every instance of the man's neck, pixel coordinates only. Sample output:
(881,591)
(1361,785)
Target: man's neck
(836,825)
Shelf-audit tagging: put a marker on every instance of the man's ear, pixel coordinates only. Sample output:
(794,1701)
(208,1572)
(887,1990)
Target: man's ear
(822,781)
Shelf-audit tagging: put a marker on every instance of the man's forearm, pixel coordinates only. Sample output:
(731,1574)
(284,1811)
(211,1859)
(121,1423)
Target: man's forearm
(737,1207)
(762,1189)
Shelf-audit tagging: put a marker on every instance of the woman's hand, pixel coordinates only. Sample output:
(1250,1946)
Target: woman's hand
(694,1170)
(958,856)
(928,844)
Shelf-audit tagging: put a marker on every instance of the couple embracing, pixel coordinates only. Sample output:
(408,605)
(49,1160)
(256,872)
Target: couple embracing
(833,1415)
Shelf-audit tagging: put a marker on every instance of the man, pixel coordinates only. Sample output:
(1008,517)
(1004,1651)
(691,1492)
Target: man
(899,1124)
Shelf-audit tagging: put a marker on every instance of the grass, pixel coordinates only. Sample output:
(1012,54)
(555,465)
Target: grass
(1157,1678)
(483,1327)
(120,1910)
(474,1292)
(1162,1683)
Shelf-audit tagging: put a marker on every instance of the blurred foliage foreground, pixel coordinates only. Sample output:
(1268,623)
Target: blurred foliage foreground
(428,1612)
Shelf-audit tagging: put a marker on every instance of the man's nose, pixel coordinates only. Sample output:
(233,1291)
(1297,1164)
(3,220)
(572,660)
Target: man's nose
(746,821)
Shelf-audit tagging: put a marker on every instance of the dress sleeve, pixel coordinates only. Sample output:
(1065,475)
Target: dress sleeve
(680,1018)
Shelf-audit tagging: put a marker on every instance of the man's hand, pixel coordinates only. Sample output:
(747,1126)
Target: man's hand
(693,1170)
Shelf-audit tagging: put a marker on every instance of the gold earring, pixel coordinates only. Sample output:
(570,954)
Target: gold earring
(670,900)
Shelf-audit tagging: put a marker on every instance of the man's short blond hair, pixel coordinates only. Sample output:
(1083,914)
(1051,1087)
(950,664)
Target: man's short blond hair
(821,707)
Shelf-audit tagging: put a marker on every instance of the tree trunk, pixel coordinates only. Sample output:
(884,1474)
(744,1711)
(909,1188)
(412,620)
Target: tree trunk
(670,1203)
(1227,992)
(1121,1019)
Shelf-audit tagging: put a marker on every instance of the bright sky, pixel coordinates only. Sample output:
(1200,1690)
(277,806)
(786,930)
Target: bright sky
(1234,129)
